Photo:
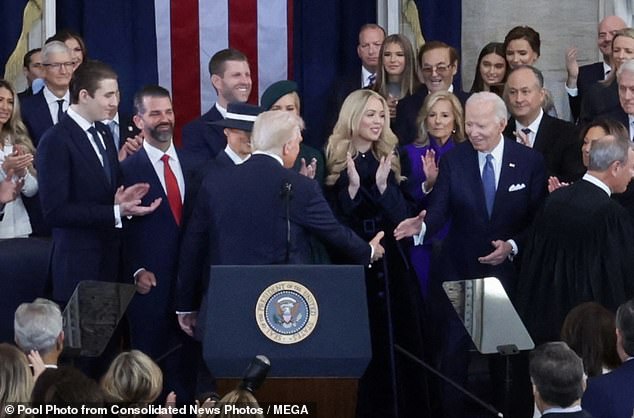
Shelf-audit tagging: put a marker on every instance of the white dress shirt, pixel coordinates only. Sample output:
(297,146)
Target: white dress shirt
(155,155)
(533,126)
(51,101)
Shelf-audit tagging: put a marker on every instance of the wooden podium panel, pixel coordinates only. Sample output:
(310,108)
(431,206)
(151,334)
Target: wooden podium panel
(328,397)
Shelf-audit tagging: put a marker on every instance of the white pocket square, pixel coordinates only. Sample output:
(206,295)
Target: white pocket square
(516,187)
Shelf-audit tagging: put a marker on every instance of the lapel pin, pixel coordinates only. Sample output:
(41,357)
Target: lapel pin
(512,165)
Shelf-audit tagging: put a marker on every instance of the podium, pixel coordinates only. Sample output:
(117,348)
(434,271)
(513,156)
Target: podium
(311,321)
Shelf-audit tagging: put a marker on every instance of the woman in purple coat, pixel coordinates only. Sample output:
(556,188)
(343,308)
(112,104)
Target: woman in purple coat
(441,126)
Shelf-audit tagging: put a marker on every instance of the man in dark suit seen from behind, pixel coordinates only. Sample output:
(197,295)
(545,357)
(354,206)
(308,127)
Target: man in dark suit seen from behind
(240,216)
(557,140)
(612,395)
(438,65)
(78,182)
(152,242)
(580,79)
(558,381)
(231,79)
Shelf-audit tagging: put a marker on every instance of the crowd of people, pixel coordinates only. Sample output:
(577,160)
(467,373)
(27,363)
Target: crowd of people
(419,182)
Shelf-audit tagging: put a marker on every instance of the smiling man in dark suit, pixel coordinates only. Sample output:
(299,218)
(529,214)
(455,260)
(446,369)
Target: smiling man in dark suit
(231,78)
(557,140)
(489,189)
(78,179)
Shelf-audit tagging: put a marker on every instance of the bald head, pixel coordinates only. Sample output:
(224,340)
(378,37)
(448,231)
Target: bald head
(607,27)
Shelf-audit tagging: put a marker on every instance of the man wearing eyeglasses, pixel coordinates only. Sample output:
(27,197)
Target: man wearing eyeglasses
(438,64)
(43,110)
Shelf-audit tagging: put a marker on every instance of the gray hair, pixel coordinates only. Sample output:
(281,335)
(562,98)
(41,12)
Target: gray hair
(37,325)
(273,129)
(557,373)
(53,47)
(487,97)
(626,67)
(606,150)
(625,324)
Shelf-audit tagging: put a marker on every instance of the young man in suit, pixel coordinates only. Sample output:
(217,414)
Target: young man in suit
(612,395)
(78,183)
(581,78)
(151,242)
(557,140)
(558,381)
(231,79)
(489,188)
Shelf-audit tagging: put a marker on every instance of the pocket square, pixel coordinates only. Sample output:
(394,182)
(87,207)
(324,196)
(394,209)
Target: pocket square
(516,187)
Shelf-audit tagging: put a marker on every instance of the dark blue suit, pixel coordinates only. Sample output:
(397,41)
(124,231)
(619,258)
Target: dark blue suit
(600,100)
(611,395)
(202,141)
(36,116)
(240,218)
(588,75)
(152,242)
(458,197)
(77,201)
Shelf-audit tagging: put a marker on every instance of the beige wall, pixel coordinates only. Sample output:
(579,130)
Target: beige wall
(561,24)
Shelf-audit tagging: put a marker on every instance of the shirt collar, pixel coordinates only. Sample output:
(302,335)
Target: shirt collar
(270,154)
(51,98)
(235,157)
(534,125)
(115,119)
(364,76)
(155,154)
(497,152)
(222,110)
(606,70)
(592,179)
(559,410)
(83,123)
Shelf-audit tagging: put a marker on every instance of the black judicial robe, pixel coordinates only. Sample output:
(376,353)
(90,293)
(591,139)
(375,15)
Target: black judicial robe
(580,248)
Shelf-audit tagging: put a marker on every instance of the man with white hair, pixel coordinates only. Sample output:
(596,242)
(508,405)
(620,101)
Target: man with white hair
(488,189)
(240,217)
(38,326)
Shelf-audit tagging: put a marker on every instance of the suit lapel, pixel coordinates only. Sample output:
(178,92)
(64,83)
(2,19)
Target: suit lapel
(475,178)
(83,145)
(541,139)
(507,171)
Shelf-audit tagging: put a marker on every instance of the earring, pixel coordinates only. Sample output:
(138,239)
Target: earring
(453,131)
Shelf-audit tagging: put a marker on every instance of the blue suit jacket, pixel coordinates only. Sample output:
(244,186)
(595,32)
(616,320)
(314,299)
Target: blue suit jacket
(77,201)
(588,75)
(202,141)
(151,242)
(36,116)
(458,197)
(611,395)
(239,218)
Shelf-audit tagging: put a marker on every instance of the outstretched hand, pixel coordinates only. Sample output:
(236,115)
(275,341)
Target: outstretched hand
(499,254)
(410,226)
(375,243)
(129,200)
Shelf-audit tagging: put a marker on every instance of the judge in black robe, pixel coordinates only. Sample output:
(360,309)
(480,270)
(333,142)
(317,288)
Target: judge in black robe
(580,248)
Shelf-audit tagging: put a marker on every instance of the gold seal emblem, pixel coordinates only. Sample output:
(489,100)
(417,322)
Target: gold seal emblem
(286,312)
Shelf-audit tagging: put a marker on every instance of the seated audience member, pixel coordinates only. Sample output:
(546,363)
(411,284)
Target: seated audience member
(580,79)
(603,97)
(441,123)
(133,379)
(437,66)
(32,70)
(67,386)
(282,95)
(16,154)
(612,395)
(491,69)
(555,139)
(397,75)
(589,330)
(522,47)
(16,379)
(558,381)
(39,327)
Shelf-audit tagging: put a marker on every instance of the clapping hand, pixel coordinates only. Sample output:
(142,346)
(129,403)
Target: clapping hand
(383,172)
(354,181)
(410,226)
(129,200)
(430,168)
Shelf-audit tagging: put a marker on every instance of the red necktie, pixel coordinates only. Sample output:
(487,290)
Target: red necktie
(173,193)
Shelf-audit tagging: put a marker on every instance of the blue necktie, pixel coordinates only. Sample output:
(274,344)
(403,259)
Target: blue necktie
(102,151)
(488,182)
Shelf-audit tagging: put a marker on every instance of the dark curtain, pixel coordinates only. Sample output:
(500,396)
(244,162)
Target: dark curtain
(11,12)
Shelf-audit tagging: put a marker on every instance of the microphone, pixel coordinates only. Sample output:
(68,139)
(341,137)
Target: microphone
(287,194)
(255,374)
(287,189)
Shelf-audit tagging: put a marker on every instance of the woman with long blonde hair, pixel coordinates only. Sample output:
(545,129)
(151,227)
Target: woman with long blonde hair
(365,188)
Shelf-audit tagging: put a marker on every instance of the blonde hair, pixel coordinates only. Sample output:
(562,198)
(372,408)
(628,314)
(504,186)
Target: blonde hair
(16,378)
(456,109)
(133,378)
(347,127)
(239,398)
(15,129)
(627,33)
(408,81)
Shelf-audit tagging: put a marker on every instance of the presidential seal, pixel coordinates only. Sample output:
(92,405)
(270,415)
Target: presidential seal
(286,312)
